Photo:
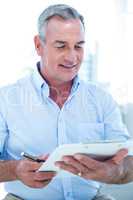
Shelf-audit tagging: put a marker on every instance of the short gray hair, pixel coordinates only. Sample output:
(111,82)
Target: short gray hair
(61,10)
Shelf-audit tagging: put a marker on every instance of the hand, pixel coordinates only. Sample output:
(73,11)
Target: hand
(109,171)
(26,171)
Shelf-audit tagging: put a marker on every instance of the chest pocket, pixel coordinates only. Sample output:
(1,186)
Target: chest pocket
(87,132)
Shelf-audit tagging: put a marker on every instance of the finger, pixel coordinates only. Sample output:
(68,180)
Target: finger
(42,176)
(70,160)
(32,166)
(120,155)
(27,165)
(88,162)
(66,167)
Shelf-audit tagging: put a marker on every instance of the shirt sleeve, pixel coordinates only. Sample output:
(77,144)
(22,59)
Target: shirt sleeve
(113,126)
(3,128)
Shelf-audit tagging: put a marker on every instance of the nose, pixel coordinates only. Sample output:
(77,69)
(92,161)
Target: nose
(71,57)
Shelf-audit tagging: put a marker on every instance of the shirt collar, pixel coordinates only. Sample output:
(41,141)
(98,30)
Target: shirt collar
(75,85)
(40,83)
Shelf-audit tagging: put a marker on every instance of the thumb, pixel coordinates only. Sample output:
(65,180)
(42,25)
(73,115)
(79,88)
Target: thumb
(120,155)
(44,157)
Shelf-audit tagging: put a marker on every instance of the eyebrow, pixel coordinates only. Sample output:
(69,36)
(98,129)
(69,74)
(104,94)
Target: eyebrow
(63,42)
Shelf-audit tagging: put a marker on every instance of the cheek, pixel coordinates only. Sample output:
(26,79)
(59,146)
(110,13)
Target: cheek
(80,56)
(50,59)
(82,52)
(54,57)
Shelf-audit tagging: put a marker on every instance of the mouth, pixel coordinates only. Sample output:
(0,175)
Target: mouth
(68,66)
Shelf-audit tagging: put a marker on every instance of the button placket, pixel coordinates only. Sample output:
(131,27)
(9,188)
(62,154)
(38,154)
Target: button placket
(62,138)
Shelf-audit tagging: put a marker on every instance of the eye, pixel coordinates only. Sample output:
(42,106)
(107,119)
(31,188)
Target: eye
(60,46)
(78,47)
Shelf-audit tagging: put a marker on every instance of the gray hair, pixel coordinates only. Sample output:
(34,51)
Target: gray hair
(61,10)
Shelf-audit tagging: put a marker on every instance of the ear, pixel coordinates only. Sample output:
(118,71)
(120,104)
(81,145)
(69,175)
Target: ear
(38,45)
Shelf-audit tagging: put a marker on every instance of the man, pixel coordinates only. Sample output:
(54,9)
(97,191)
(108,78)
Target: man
(52,107)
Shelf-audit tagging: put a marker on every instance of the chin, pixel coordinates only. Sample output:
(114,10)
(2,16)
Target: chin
(67,79)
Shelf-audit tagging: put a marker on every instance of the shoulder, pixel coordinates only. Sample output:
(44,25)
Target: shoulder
(12,94)
(97,94)
(94,89)
(17,85)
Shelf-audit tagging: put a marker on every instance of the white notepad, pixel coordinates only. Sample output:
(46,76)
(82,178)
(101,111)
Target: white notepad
(99,150)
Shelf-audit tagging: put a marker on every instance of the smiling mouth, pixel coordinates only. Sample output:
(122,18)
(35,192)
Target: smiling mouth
(68,66)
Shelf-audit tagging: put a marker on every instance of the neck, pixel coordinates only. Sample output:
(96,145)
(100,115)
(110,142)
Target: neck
(64,86)
(58,84)
(59,90)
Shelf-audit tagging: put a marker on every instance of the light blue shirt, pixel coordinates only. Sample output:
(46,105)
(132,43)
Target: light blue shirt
(32,122)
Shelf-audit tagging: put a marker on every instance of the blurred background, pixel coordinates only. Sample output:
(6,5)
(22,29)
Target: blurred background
(109,41)
(108,51)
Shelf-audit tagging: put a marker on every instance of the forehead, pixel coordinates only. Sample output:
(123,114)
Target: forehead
(60,29)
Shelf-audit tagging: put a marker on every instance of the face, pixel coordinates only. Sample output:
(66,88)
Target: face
(62,52)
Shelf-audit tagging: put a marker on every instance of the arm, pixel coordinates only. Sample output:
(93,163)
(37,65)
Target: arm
(117,170)
(7,170)
(22,170)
